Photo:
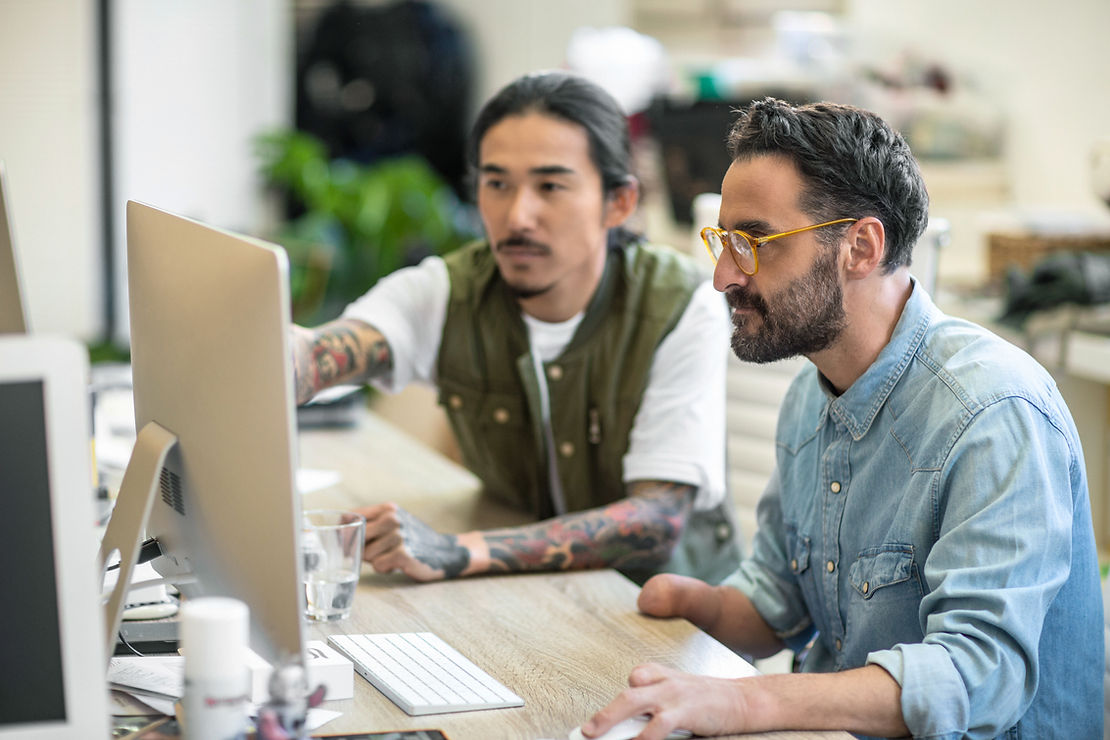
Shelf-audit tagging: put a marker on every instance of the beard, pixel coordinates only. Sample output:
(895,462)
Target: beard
(805,317)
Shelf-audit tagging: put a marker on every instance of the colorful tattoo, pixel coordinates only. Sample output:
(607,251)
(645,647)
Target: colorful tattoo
(636,532)
(338,353)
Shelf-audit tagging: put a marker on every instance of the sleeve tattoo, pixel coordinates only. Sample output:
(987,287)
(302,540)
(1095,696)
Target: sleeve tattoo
(340,353)
(635,532)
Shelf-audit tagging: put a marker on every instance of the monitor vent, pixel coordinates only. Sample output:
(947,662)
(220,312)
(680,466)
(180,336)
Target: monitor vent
(171,490)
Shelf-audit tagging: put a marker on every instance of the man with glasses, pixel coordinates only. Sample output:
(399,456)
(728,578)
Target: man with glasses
(926,536)
(579,367)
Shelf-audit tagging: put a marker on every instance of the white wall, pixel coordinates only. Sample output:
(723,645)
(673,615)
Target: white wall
(48,141)
(195,80)
(1046,63)
(512,37)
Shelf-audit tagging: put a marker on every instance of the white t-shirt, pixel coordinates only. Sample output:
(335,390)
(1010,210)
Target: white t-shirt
(679,430)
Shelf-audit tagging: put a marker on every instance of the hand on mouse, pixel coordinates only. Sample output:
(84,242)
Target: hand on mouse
(673,699)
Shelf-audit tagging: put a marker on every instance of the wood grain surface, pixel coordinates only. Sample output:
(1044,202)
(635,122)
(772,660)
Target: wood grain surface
(565,642)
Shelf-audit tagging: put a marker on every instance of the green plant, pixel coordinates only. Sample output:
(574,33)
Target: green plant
(359,222)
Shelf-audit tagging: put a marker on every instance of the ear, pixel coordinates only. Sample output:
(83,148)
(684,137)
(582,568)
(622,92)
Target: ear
(621,203)
(866,247)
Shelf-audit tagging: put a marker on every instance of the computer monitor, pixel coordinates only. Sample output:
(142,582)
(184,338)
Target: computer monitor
(13,313)
(211,477)
(52,684)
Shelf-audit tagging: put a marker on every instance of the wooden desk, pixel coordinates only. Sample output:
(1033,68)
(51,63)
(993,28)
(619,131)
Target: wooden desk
(565,642)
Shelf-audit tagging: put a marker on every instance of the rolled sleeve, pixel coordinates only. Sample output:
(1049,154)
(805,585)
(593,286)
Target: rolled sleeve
(934,699)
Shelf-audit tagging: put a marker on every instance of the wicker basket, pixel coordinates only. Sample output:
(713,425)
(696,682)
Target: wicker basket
(1026,250)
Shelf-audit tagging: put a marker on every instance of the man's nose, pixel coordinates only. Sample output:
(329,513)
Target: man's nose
(522,210)
(727,274)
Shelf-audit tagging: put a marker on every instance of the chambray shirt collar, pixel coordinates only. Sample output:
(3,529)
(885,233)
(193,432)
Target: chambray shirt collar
(858,406)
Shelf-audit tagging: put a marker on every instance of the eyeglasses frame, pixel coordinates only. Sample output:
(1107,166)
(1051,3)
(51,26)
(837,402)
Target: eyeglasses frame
(755,241)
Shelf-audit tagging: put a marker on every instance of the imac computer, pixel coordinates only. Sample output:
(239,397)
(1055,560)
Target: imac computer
(13,313)
(52,684)
(211,477)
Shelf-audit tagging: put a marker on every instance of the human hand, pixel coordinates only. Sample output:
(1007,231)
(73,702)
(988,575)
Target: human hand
(670,595)
(675,700)
(397,540)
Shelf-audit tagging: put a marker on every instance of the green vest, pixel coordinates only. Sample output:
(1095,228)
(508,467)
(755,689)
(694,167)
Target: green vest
(487,385)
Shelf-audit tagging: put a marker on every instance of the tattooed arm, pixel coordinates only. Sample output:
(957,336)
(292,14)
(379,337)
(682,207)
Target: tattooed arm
(636,532)
(341,351)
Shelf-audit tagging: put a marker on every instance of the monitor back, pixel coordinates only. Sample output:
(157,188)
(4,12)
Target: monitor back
(211,364)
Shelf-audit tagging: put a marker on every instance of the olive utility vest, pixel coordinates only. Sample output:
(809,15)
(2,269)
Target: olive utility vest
(487,385)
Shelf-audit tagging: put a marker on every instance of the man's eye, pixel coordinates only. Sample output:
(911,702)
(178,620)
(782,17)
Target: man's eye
(550,187)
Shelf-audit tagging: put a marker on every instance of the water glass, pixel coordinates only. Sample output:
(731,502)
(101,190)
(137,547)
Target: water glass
(331,548)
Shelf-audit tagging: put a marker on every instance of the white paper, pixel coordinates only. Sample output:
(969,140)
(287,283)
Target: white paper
(311,479)
(160,675)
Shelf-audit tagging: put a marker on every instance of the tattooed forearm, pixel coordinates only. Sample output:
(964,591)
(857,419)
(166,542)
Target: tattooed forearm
(338,352)
(636,532)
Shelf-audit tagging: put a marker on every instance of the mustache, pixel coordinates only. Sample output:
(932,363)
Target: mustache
(522,241)
(738,299)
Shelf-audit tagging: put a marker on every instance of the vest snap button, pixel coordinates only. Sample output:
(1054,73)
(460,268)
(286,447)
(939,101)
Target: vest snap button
(555,372)
(500,416)
(455,402)
(835,487)
(794,565)
(566,449)
(830,566)
(866,587)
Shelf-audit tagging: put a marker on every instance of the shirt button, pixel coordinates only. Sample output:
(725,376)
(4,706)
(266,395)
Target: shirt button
(566,449)
(830,566)
(455,402)
(835,487)
(723,532)
(500,415)
(555,372)
(866,587)
(839,645)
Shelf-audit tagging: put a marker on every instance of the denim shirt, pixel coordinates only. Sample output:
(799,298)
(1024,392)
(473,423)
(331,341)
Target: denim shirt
(934,520)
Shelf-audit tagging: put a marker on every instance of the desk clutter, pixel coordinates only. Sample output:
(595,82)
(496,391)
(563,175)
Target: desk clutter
(164,675)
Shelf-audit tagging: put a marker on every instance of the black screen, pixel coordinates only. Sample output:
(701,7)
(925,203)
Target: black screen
(31,686)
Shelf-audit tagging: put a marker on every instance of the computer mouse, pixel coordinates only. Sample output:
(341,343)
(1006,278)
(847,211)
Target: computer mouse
(626,729)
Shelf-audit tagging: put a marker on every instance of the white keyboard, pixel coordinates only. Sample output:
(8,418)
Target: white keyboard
(422,674)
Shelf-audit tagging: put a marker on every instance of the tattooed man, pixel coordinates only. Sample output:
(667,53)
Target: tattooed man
(581,369)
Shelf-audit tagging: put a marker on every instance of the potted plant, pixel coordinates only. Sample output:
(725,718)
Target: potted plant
(355,223)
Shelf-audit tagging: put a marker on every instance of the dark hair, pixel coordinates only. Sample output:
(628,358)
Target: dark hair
(576,100)
(853,163)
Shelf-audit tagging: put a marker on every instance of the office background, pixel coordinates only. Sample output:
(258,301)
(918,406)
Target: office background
(1005,101)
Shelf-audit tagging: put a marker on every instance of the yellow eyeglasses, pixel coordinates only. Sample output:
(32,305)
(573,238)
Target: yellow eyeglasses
(745,247)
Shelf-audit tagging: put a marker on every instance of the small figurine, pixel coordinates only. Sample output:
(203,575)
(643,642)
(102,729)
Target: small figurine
(285,715)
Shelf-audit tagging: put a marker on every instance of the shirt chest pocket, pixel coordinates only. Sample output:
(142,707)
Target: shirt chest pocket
(885,572)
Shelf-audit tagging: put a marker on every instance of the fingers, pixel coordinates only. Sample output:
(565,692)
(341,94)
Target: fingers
(644,699)
(388,548)
(647,674)
(664,595)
